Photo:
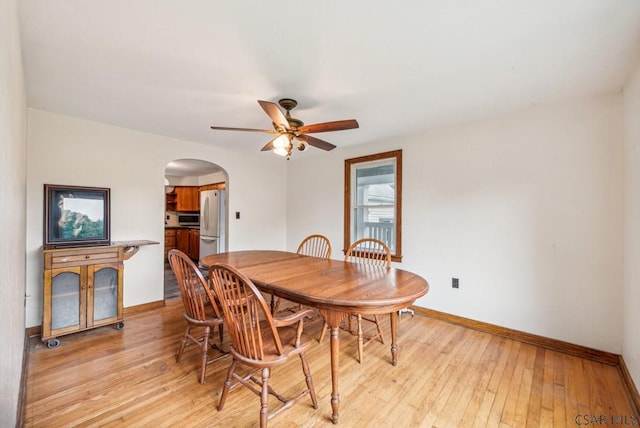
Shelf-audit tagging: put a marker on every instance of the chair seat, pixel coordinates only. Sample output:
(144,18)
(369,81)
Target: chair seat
(210,322)
(288,340)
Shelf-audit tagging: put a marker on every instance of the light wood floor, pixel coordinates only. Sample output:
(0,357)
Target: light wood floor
(447,376)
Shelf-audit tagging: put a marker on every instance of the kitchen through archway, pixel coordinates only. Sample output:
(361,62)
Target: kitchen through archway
(196,213)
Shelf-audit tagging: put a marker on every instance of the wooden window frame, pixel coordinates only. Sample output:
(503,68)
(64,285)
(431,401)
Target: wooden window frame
(348,163)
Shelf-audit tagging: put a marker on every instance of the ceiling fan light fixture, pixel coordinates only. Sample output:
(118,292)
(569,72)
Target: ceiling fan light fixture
(281,151)
(282,142)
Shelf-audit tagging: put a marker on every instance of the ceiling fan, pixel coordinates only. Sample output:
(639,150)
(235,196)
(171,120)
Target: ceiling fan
(289,128)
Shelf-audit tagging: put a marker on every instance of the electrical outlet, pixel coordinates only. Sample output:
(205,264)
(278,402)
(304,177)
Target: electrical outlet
(455,283)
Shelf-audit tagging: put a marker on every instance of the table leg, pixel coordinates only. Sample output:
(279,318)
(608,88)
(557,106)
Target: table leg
(335,362)
(334,319)
(360,340)
(394,346)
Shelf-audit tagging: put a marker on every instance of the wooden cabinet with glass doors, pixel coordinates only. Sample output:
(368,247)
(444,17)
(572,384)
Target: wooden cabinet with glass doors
(82,290)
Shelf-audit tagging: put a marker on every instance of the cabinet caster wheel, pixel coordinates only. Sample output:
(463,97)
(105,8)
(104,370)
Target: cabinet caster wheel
(119,326)
(53,343)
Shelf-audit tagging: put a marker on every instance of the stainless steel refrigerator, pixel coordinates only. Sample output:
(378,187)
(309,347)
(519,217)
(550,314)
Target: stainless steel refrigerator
(212,222)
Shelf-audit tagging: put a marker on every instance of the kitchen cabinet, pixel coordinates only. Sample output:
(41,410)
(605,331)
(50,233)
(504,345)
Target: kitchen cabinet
(213,186)
(171,201)
(170,241)
(194,244)
(183,198)
(82,287)
(182,240)
(186,240)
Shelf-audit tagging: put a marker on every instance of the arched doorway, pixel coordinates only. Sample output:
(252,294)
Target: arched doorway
(196,212)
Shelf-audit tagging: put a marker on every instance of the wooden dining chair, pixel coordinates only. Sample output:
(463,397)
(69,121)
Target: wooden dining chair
(259,340)
(314,246)
(370,252)
(200,309)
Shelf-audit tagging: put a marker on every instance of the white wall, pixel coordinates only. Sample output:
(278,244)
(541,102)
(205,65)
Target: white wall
(524,209)
(71,151)
(631,289)
(13,170)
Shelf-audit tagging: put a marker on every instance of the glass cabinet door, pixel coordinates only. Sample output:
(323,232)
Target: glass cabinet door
(105,292)
(65,299)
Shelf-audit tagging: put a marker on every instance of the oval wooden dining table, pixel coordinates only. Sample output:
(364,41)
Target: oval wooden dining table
(335,287)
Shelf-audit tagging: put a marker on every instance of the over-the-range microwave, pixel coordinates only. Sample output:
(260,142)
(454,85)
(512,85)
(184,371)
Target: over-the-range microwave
(183,219)
(191,219)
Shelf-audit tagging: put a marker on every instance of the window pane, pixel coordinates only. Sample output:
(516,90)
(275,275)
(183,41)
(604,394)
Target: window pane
(374,204)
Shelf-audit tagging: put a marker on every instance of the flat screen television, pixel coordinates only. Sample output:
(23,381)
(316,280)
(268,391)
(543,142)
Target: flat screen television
(76,216)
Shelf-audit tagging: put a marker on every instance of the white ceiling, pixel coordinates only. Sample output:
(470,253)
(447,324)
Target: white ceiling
(174,68)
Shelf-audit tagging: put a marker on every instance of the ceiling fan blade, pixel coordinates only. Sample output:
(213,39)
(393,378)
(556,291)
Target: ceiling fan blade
(269,145)
(225,128)
(338,125)
(316,142)
(274,112)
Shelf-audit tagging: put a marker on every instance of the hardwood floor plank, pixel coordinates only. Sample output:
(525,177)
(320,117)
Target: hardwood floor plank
(447,376)
(612,385)
(521,415)
(548,368)
(506,381)
(577,397)
(546,418)
(461,386)
(482,416)
(560,393)
(437,380)
(489,358)
(597,389)
(534,404)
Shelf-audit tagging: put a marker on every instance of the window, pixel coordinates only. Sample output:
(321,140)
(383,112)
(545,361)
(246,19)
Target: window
(373,200)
